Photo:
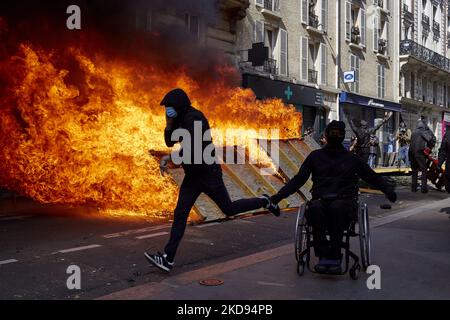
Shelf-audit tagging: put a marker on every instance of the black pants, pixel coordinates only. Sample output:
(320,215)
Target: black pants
(333,216)
(211,183)
(418,163)
(364,154)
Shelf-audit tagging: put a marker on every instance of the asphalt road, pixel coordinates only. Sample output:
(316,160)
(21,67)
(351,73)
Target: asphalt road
(39,243)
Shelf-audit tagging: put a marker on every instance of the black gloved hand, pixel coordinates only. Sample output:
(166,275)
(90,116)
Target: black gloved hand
(275,199)
(392,196)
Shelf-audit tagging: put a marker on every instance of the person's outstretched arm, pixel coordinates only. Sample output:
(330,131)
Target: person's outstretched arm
(295,183)
(366,173)
(352,125)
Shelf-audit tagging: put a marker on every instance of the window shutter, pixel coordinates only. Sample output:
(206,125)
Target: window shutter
(324,21)
(304,59)
(363,27)
(348,21)
(376,25)
(323,64)
(387,37)
(388,5)
(304,11)
(259,32)
(379,80)
(283,52)
(259,2)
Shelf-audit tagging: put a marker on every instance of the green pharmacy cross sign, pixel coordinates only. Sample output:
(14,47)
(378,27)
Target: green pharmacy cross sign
(288,93)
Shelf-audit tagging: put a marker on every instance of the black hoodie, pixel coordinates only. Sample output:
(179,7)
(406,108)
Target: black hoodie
(186,119)
(335,172)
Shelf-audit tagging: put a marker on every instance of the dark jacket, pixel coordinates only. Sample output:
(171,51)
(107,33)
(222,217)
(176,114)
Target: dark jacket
(186,119)
(363,134)
(421,138)
(444,151)
(335,172)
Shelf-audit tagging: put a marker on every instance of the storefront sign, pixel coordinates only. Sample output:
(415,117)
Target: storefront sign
(289,92)
(346,97)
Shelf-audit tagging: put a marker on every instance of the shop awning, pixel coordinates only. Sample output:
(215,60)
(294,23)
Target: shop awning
(346,97)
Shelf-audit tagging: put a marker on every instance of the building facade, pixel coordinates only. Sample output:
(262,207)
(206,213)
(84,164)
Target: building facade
(424,63)
(298,65)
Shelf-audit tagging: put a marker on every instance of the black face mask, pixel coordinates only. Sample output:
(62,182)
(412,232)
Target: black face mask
(335,137)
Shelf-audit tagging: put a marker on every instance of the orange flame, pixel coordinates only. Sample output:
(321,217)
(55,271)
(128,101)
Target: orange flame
(57,148)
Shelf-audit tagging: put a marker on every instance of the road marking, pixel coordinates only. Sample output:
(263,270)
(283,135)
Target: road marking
(8,261)
(408,213)
(93,246)
(11,218)
(207,225)
(135,231)
(273,284)
(152,235)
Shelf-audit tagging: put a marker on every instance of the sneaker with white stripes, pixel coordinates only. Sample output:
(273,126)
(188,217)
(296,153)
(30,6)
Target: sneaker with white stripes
(272,207)
(160,261)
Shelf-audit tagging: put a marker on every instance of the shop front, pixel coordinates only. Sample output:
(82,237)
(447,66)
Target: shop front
(309,101)
(373,111)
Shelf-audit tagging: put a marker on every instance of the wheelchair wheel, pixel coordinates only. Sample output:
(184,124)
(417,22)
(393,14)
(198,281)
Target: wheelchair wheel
(364,236)
(301,267)
(300,232)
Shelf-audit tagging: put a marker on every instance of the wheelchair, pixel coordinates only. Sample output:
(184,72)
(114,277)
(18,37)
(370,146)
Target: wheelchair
(304,242)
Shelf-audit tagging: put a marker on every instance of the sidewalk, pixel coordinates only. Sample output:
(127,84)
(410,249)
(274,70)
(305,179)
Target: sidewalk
(412,247)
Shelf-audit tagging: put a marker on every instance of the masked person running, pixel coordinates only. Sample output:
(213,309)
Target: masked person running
(200,176)
(335,172)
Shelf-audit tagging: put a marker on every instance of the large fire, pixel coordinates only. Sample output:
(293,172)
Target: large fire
(88,142)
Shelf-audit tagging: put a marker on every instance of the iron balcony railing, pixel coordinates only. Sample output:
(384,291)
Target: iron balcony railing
(382,46)
(314,21)
(426,21)
(270,66)
(355,35)
(407,13)
(312,76)
(409,47)
(436,27)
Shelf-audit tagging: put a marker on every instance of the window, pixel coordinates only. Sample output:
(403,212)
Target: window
(192,24)
(354,66)
(314,13)
(381,81)
(355,24)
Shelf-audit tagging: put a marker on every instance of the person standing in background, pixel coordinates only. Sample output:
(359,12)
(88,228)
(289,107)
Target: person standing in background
(404,139)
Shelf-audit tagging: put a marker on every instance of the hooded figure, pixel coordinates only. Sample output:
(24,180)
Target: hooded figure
(421,138)
(335,173)
(363,133)
(201,175)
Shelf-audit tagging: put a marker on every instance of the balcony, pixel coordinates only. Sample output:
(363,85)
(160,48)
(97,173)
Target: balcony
(423,54)
(312,76)
(425,22)
(272,8)
(382,48)
(270,66)
(436,29)
(355,35)
(314,24)
(408,16)
(234,8)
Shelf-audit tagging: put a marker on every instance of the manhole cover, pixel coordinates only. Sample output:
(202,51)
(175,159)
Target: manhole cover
(211,282)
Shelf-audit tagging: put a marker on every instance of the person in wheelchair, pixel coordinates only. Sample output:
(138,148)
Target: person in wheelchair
(335,174)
